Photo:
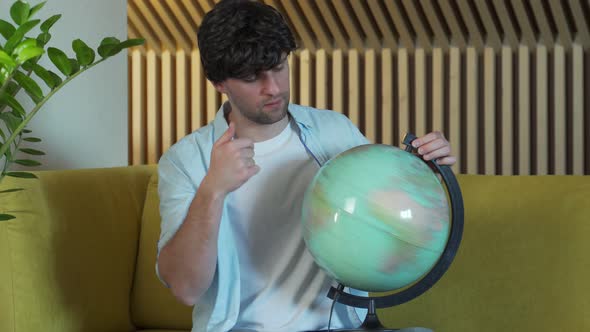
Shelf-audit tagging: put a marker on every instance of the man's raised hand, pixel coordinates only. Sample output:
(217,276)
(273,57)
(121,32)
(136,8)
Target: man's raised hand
(232,163)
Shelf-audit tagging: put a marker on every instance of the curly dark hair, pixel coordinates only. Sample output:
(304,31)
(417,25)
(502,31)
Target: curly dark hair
(240,38)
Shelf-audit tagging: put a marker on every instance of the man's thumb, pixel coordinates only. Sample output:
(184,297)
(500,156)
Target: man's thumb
(229,133)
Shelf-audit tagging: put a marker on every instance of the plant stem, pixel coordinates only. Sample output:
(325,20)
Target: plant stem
(9,162)
(30,116)
(8,79)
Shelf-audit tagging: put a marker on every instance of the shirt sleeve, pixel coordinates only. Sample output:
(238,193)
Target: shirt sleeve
(176,190)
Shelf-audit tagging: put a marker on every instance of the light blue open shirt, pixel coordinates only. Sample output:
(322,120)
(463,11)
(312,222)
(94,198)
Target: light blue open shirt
(182,168)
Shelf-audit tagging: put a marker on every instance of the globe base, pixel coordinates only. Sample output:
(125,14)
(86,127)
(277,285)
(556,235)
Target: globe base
(357,330)
(371,323)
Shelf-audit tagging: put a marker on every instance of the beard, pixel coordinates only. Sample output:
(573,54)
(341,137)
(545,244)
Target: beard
(261,116)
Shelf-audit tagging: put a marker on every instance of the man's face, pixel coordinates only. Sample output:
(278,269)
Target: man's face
(262,98)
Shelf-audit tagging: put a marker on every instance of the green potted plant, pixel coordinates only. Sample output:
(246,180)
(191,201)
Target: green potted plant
(20,70)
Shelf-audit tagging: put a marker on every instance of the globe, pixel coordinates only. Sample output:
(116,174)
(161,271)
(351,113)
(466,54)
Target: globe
(376,218)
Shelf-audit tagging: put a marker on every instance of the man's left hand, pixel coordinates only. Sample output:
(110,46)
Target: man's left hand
(434,146)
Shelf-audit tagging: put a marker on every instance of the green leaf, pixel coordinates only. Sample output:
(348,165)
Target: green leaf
(45,76)
(32,139)
(5,73)
(7,60)
(6,29)
(11,190)
(84,54)
(5,217)
(55,77)
(75,66)
(12,88)
(27,66)
(30,86)
(20,12)
(36,8)
(18,35)
(45,26)
(6,99)
(131,43)
(109,47)
(24,175)
(27,162)
(26,50)
(32,152)
(60,60)
(43,38)
(10,120)
(27,131)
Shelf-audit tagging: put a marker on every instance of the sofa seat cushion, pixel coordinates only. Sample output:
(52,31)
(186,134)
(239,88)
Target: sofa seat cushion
(152,304)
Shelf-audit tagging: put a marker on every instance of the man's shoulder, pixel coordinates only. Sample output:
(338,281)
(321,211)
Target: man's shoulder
(316,115)
(192,144)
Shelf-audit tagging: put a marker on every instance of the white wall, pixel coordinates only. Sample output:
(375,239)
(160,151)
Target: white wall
(84,125)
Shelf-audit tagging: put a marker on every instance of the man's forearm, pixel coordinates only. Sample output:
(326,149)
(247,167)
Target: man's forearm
(187,262)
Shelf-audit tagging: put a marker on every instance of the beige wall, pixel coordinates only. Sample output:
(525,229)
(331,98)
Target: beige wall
(84,125)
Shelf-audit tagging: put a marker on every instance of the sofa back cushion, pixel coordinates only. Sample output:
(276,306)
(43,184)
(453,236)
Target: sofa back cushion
(523,263)
(153,305)
(67,260)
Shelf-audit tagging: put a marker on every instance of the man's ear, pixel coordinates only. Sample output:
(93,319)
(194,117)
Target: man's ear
(220,86)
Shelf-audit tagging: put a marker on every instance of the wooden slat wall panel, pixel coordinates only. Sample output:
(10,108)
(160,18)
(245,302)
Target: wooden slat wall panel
(510,91)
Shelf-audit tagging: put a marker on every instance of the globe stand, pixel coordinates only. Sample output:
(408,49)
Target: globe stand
(372,322)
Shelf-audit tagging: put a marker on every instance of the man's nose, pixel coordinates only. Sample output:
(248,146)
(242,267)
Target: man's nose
(270,85)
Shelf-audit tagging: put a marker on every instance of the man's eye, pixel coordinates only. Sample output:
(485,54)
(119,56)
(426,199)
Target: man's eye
(249,79)
(277,68)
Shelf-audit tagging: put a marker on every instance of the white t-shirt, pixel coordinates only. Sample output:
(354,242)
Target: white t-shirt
(282,289)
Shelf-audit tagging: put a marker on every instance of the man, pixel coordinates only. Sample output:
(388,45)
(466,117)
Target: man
(231,192)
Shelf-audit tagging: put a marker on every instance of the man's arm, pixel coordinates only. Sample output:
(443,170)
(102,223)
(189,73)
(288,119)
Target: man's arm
(188,260)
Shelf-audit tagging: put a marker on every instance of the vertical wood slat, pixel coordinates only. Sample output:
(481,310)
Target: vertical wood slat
(138,98)
(338,81)
(489,98)
(182,96)
(472,106)
(403,80)
(455,97)
(321,79)
(438,97)
(387,105)
(507,141)
(152,107)
(559,112)
(213,102)
(167,116)
(294,68)
(305,81)
(197,90)
(370,93)
(524,109)
(578,94)
(354,87)
(420,95)
(542,110)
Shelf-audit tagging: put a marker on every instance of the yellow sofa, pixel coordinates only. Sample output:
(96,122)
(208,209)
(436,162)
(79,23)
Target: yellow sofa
(80,257)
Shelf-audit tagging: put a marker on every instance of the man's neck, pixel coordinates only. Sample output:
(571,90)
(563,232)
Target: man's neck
(252,130)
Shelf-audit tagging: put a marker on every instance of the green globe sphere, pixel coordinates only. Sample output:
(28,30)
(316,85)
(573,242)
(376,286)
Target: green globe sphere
(376,218)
